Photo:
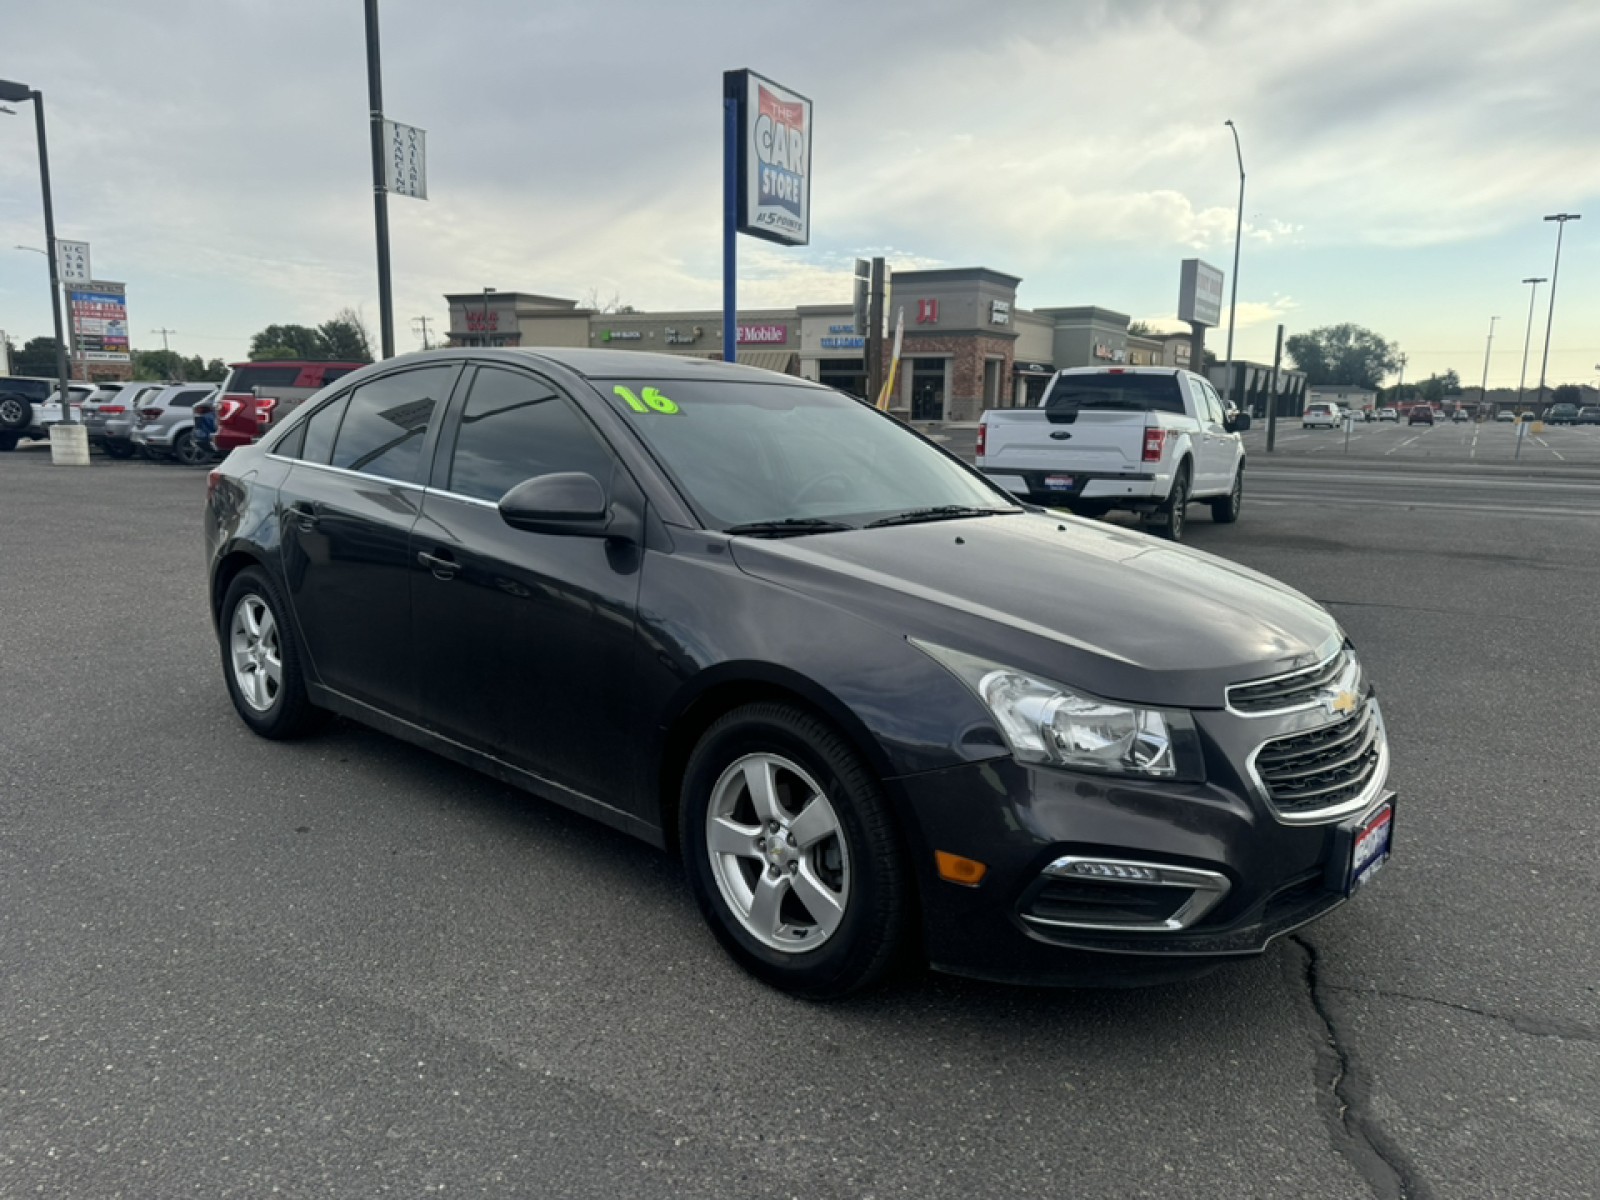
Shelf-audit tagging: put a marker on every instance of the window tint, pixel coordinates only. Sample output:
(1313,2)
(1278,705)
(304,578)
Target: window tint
(245,378)
(1213,402)
(515,427)
(289,445)
(333,373)
(1121,392)
(324,423)
(386,422)
(187,399)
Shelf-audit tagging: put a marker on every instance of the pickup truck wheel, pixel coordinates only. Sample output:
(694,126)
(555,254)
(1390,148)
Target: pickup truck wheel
(1176,508)
(1226,510)
(16,413)
(8,442)
(117,448)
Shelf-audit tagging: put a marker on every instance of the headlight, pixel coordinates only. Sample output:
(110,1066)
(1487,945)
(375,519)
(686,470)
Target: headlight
(1050,723)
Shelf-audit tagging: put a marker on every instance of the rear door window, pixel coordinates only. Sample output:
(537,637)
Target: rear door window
(245,379)
(321,428)
(387,420)
(1115,393)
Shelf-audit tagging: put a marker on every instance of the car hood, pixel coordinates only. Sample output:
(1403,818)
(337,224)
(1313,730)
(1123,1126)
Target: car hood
(1106,609)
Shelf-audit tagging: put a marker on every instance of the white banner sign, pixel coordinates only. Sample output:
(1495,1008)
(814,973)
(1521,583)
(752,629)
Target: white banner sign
(72,261)
(405,160)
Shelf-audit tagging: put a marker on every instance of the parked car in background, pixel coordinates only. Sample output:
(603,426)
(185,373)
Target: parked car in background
(1505,416)
(1420,414)
(255,395)
(1561,414)
(1320,415)
(110,414)
(1459,416)
(1589,414)
(1388,414)
(165,426)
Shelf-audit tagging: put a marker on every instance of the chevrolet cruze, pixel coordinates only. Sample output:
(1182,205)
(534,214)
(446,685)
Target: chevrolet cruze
(882,710)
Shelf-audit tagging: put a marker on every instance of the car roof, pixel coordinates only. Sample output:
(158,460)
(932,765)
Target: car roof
(607,364)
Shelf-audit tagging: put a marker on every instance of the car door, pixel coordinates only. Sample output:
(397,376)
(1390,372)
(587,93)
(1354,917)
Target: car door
(524,641)
(1214,471)
(345,511)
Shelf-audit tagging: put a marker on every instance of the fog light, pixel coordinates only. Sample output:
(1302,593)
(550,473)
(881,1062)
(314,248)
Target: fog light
(954,869)
(1107,870)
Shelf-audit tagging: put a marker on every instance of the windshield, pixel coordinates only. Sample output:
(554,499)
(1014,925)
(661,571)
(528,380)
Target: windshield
(1117,391)
(744,453)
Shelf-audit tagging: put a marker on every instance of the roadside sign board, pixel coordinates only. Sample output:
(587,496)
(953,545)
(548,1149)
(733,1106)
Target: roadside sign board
(100,321)
(774,159)
(405,160)
(1200,293)
(72,261)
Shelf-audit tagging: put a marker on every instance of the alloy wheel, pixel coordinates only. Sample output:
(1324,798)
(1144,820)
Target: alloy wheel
(256,653)
(778,853)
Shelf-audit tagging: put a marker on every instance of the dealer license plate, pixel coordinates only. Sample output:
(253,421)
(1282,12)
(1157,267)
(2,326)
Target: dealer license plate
(1059,483)
(1371,848)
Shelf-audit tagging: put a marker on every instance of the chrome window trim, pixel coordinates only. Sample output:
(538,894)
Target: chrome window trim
(449,495)
(1209,888)
(1336,812)
(367,475)
(1347,680)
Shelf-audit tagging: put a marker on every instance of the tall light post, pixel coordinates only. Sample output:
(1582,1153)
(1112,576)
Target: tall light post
(1561,220)
(1238,231)
(1527,338)
(17,93)
(1483,388)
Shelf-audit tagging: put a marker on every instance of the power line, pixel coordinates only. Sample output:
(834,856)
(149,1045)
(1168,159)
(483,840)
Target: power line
(424,322)
(163,332)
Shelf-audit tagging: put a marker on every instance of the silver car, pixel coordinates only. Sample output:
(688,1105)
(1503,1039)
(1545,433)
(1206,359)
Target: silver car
(109,415)
(165,426)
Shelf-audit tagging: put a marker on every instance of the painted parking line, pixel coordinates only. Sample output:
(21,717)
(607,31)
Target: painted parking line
(1402,445)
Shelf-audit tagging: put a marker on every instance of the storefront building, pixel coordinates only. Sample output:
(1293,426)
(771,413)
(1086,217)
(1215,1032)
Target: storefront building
(967,346)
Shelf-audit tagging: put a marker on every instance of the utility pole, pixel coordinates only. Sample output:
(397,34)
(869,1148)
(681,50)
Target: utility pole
(1402,380)
(163,332)
(874,330)
(424,323)
(380,191)
(1483,388)
(1272,398)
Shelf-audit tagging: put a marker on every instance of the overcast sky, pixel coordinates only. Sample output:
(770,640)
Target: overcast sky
(1400,157)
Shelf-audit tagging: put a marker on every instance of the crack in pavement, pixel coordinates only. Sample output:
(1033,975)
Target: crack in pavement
(1346,1094)
(1571,1031)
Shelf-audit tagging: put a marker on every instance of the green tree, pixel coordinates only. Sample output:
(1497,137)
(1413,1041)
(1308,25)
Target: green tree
(345,337)
(160,364)
(1567,393)
(1347,354)
(1140,329)
(287,341)
(37,357)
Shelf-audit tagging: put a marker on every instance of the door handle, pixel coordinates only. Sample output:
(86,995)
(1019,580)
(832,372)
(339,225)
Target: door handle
(442,568)
(305,515)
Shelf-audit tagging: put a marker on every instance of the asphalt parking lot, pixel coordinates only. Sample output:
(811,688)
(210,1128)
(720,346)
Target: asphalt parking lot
(343,966)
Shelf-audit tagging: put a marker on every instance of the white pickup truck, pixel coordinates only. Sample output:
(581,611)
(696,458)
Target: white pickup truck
(1148,439)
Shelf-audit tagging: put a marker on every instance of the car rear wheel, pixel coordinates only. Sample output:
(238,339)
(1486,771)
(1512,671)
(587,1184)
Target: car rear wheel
(261,661)
(791,854)
(187,450)
(8,442)
(1176,508)
(1226,510)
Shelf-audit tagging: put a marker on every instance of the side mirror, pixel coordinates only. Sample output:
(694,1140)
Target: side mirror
(567,502)
(1237,422)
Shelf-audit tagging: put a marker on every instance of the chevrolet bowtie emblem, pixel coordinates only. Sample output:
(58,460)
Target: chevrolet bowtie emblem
(1342,704)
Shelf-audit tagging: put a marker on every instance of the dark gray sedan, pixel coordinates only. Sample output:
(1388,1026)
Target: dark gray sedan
(881,709)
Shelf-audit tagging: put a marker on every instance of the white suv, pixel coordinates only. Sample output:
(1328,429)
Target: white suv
(1320,414)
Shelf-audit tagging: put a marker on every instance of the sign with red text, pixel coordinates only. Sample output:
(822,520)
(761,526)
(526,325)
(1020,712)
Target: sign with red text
(774,152)
(100,321)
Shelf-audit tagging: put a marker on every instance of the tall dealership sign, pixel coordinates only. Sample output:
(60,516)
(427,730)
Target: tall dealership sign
(766,181)
(99,321)
(1200,304)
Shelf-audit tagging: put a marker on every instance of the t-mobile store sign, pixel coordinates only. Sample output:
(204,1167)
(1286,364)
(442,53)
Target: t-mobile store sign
(763,335)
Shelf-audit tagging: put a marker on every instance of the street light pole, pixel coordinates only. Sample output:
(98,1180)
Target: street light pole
(16,93)
(1561,220)
(1238,231)
(1483,388)
(1527,338)
(380,190)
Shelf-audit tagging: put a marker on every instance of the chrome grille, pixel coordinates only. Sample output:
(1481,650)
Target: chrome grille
(1308,774)
(1297,689)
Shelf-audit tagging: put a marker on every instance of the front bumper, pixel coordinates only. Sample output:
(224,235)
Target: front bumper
(1020,820)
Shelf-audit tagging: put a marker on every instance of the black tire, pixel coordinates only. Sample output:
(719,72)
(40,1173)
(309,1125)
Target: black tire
(16,413)
(860,860)
(280,711)
(117,448)
(8,442)
(188,451)
(1225,511)
(1176,508)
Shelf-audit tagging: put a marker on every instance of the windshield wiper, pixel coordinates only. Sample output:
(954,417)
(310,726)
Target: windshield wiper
(942,512)
(789,527)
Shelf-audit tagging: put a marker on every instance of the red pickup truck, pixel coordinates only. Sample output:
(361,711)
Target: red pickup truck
(256,394)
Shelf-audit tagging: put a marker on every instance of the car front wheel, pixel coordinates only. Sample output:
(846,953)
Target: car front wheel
(1226,510)
(791,854)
